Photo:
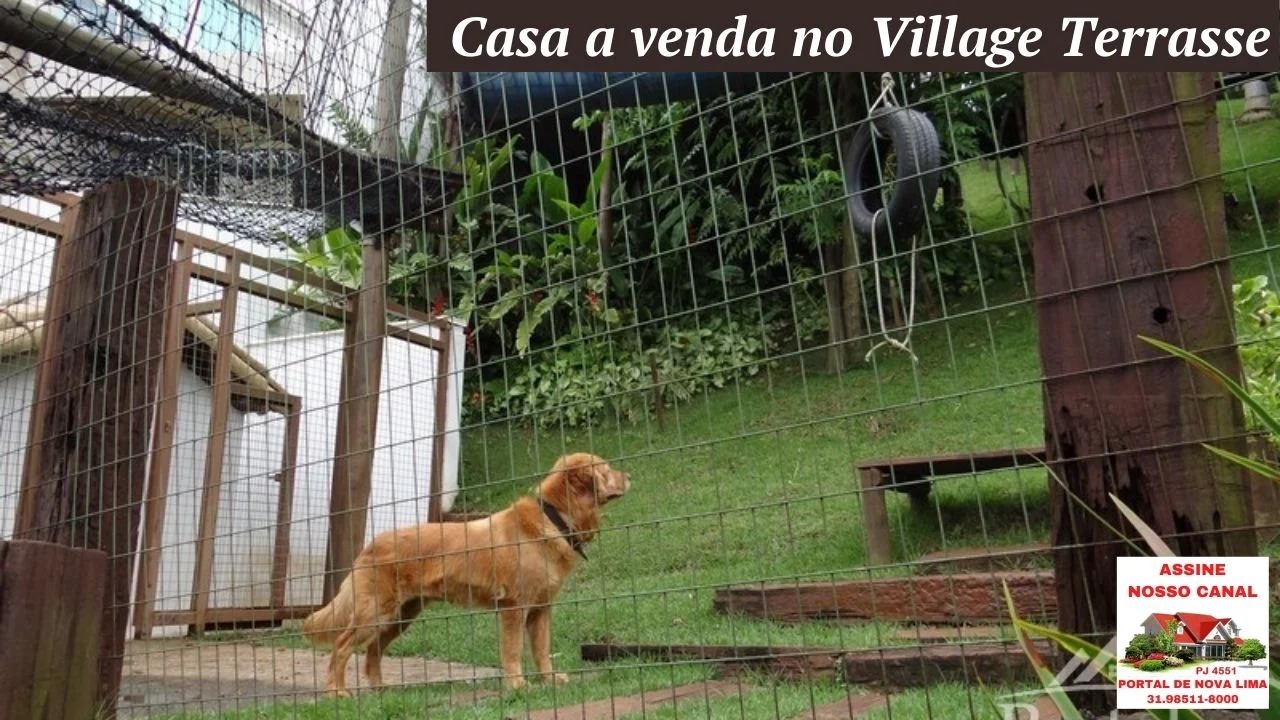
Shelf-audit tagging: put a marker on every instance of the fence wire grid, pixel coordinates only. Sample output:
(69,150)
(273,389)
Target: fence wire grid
(804,313)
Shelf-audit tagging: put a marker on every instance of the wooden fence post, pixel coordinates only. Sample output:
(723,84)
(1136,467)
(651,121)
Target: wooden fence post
(96,383)
(1129,239)
(51,630)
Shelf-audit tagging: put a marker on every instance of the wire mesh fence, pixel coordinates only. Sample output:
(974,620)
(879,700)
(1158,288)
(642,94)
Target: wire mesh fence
(798,320)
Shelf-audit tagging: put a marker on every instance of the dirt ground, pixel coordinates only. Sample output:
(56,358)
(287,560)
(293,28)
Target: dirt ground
(172,675)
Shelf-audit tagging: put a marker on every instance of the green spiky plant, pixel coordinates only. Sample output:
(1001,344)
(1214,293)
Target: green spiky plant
(1103,660)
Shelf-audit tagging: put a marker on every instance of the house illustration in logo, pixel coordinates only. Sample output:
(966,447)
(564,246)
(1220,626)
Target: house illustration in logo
(1206,635)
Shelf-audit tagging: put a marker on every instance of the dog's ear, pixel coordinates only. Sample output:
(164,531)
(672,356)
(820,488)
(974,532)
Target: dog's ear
(581,477)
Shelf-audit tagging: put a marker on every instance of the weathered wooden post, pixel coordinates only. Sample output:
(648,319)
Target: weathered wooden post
(51,630)
(366,333)
(1129,239)
(85,468)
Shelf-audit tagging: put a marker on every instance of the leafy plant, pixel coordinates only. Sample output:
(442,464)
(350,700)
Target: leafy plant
(582,382)
(1140,646)
(1257,312)
(1151,665)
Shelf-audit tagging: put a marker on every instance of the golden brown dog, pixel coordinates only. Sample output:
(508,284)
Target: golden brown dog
(514,561)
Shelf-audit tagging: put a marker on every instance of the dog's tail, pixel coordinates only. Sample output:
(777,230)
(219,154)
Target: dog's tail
(322,626)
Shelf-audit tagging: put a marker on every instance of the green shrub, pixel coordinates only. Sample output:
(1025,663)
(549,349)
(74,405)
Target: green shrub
(1258,335)
(1185,654)
(1151,665)
(1141,646)
(582,382)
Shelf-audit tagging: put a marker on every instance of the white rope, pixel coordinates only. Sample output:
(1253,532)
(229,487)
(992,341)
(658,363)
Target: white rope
(886,91)
(905,343)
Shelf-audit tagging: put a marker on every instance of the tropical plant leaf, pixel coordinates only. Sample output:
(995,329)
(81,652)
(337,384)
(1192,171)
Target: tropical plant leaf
(530,322)
(1048,679)
(1256,466)
(1222,378)
(1149,535)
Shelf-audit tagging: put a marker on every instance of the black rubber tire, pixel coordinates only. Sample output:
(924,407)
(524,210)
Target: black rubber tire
(915,141)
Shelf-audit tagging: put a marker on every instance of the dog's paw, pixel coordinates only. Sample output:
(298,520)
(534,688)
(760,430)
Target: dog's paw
(339,693)
(516,682)
(556,678)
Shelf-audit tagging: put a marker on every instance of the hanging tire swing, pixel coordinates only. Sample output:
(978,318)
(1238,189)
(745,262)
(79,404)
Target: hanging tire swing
(912,184)
(913,142)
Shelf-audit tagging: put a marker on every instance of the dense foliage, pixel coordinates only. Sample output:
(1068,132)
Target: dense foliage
(706,263)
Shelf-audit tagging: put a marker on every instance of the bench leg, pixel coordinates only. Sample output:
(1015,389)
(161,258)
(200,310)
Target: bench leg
(875,517)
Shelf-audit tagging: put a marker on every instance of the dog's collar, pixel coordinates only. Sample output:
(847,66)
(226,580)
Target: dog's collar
(556,519)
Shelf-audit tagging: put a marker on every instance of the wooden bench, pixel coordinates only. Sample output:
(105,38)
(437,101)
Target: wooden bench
(914,476)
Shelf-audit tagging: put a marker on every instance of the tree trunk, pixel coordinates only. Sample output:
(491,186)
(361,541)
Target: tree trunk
(850,286)
(837,346)
(1257,102)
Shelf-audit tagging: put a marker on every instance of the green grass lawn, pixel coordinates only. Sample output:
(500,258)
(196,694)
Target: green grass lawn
(755,482)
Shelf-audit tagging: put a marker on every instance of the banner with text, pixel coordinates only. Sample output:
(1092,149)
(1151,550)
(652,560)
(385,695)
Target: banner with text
(1192,633)
(753,36)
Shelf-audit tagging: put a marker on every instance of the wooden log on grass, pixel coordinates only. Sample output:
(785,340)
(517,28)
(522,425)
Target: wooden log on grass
(934,599)
(994,663)
(51,609)
(897,667)
(787,662)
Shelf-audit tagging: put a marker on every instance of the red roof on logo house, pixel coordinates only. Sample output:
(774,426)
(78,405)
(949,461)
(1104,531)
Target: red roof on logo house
(1197,626)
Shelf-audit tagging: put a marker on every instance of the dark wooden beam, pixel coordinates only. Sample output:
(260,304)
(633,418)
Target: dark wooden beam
(1129,238)
(215,452)
(162,442)
(284,502)
(96,382)
(51,622)
(940,599)
(357,422)
(435,494)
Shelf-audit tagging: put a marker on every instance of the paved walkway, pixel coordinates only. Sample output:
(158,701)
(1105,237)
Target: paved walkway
(173,675)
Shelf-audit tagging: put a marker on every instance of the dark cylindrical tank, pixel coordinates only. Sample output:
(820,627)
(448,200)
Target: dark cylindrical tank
(490,99)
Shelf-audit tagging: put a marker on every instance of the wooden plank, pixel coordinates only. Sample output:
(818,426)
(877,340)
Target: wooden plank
(98,374)
(875,517)
(1129,239)
(46,380)
(284,268)
(284,503)
(435,497)
(341,455)
(791,663)
(994,663)
(908,469)
(51,630)
(49,227)
(276,400)
(206,307)
(215,453)
(935,599)
(352,479)
(162,440)
(299,274)
(230,616)
(302,302)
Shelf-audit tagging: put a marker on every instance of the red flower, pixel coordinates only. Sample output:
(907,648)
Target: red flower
(593,300)
(437,304)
